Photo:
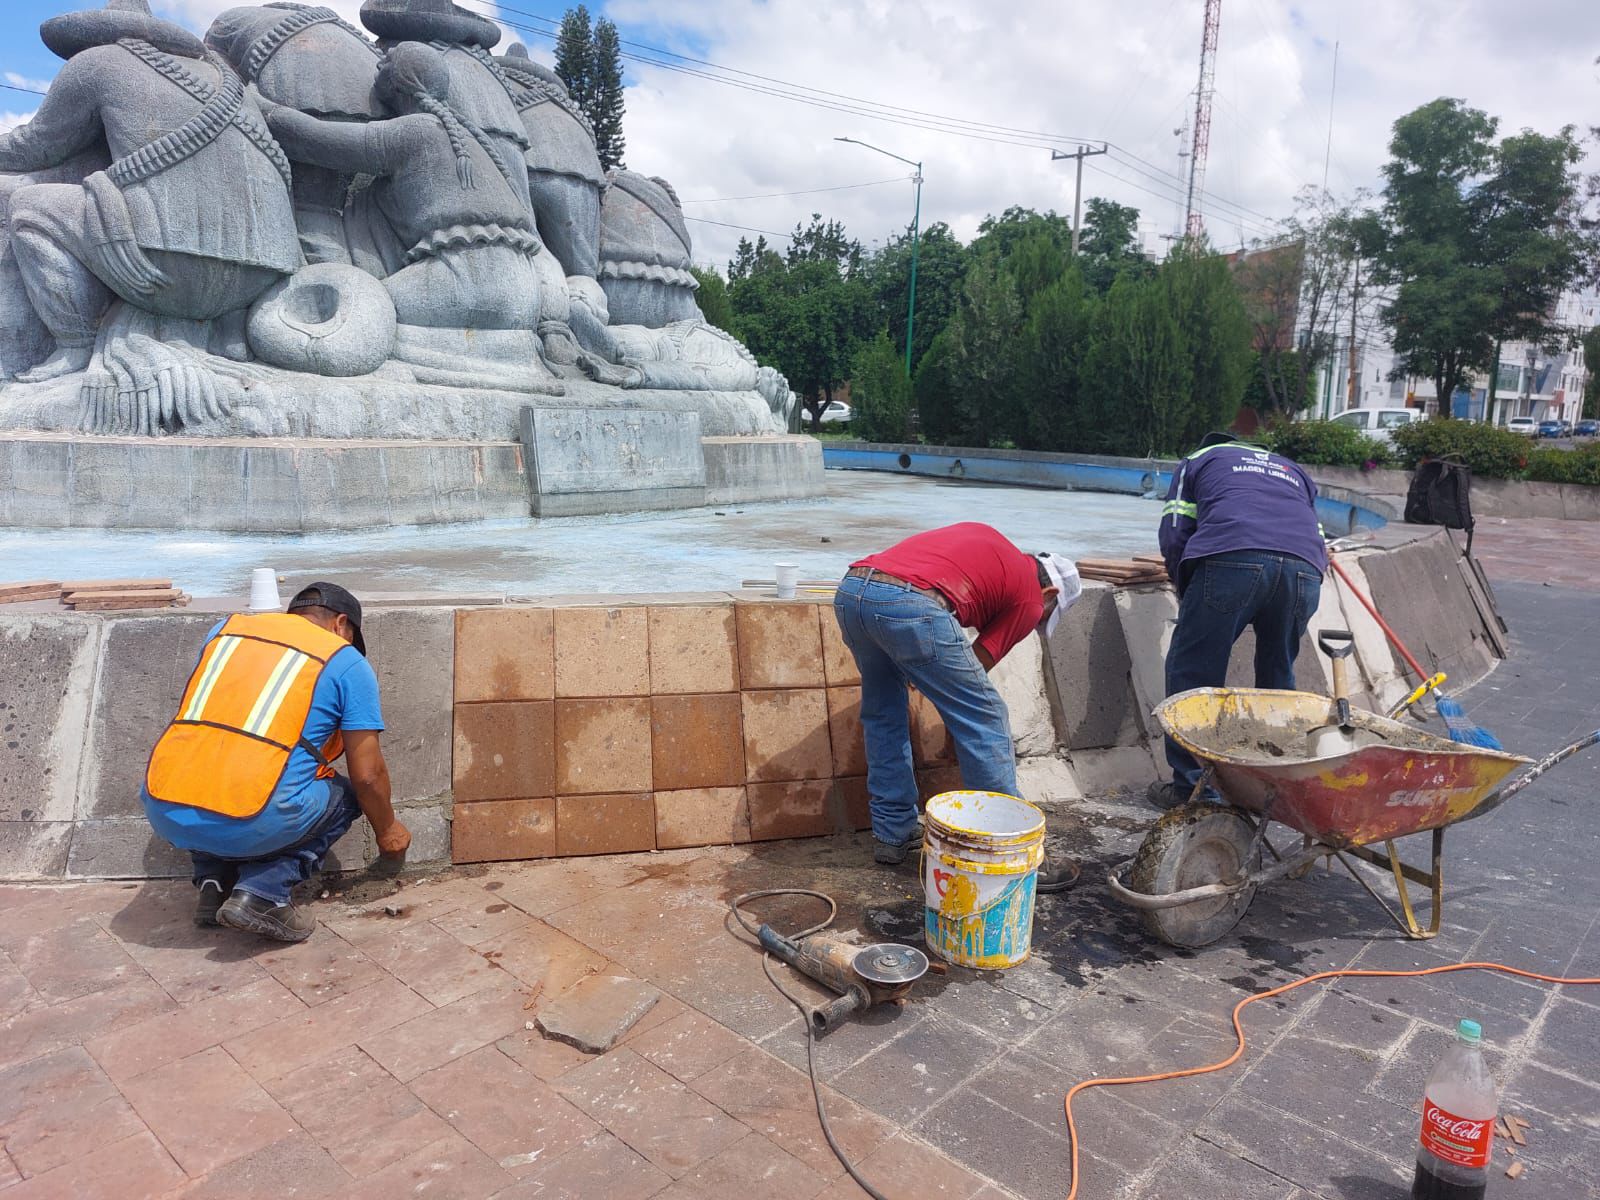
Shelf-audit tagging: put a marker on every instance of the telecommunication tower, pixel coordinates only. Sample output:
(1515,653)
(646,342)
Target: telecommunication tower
(1193,226)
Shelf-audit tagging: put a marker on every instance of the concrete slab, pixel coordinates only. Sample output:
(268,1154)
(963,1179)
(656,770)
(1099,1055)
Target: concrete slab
(46,680)
(593,1014)
(1019,678)
(34,849)
(1089,674)
(1116,767)
(1148,617)
(1046,778)
(1419,590)
(413,652)
(123,848)
(144,663)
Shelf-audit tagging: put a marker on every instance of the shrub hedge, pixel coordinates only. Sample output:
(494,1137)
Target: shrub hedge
(1489,450)
(1566,466)
(1327,444)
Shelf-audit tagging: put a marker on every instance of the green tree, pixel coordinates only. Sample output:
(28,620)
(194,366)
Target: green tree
(934,391)
(880,391)
(999,236)
(1109,245)
(1137,372)
(941,271)
(1477,239)
(575,55)
(1052,348)
(983,361)
(1034,264)
(1209,311)
(606,104)
(712,297)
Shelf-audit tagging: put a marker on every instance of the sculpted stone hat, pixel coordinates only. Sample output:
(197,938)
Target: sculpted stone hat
(72,33)
(427,21)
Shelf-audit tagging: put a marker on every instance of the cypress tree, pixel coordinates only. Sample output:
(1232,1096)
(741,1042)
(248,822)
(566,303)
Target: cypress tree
(605,102)
(575,56)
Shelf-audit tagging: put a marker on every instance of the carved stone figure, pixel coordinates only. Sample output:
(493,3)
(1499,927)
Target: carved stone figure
(192,218)
(461,241)
(307,59)
(564,173)
(645,252)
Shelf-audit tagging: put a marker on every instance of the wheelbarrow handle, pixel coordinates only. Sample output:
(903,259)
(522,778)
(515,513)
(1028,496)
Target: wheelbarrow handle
(1539,768)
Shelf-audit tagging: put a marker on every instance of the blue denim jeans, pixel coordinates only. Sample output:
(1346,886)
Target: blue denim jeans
(273,876)
(898,637)
(1275,594)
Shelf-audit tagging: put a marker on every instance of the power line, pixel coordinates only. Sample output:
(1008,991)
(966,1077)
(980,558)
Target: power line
(843,187)
(746,228)
(11,87)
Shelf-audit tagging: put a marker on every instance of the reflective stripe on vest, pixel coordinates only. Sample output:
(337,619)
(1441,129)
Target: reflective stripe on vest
(242,714)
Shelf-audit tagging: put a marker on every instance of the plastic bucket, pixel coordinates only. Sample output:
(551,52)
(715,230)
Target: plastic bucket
(980,863)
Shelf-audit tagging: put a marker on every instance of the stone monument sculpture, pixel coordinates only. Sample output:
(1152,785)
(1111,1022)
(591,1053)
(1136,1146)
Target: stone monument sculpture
(292,229)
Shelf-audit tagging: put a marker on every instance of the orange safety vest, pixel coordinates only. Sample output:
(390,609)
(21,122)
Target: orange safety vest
(242,715)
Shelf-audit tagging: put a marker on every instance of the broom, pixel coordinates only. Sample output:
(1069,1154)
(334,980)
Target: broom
(1456,721)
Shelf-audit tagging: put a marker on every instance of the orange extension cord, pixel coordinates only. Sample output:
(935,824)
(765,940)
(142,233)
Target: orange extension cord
(1238,1030)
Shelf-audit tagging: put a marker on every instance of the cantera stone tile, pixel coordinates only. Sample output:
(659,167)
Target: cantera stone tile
(502,830)
(605,824)
(602,652)
(701,817)
(504,654)
(930,743)
(855,799)
(697,741)
(780,646)
(504,751)
(788,810)
(844,730)
(838,664)
(602,746)
(693,648)
(786,735)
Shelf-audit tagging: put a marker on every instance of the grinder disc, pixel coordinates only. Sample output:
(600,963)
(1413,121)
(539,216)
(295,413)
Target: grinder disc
(890,963)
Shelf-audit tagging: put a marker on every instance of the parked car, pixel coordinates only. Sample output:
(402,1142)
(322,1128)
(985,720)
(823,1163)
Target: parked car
(1551,429)
(1587,429)
(1566,427)
(1523,425)
(837,413)
(1377,422)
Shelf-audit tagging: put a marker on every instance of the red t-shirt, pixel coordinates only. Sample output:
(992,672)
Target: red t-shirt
(993,586)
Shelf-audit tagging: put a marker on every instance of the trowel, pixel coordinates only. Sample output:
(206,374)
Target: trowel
(1339,738)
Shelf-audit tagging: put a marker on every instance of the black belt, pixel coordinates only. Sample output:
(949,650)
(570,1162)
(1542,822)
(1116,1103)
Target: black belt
(874,575)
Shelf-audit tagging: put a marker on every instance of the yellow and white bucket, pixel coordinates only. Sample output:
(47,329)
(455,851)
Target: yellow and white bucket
(980,864)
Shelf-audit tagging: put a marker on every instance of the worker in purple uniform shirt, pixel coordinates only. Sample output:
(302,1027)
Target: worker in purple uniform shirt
(1241,540)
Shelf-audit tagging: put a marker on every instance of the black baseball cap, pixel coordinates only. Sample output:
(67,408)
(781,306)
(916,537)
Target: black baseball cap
(335,599)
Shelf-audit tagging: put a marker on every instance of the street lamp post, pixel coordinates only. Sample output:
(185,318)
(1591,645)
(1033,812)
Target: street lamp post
(916,221)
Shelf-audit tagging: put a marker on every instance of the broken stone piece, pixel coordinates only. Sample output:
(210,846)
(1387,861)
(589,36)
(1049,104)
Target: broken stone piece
(593,1014)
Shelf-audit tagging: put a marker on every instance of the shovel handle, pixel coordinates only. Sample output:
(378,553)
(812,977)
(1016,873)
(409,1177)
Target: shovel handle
(1338,645)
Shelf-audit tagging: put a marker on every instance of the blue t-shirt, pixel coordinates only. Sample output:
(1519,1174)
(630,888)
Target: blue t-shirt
(345,698)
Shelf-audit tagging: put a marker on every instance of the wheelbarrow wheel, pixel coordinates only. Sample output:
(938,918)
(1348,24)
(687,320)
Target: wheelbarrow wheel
(1190,847)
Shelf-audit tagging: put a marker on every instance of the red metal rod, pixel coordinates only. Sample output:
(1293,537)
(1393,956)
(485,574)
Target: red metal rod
(1422,675)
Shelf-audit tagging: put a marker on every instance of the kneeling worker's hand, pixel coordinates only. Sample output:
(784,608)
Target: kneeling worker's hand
(394,841)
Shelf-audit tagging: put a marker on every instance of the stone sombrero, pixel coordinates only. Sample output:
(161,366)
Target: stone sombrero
(72,33)
(427,21)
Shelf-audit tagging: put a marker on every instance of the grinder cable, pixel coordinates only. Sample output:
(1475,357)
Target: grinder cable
(805,1013)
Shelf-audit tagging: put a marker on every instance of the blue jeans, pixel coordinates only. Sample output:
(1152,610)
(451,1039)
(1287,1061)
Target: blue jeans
(1271,592)
(272,876)
(898,637)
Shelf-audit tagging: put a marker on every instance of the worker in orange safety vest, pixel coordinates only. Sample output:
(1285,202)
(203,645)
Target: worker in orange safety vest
(243,776)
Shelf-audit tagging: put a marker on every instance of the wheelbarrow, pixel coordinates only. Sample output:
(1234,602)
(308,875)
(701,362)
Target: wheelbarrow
(1199,867)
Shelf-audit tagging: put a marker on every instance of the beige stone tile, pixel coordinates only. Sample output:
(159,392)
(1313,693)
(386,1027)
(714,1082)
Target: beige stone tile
(602,746)
(693,648)
(696,741)
(503,830)
(504,654)
(602,652)
(702,817)
(786,735)
(780,646)
(606,824)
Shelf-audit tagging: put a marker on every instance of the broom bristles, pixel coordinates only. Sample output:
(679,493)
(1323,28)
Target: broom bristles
(1461,727)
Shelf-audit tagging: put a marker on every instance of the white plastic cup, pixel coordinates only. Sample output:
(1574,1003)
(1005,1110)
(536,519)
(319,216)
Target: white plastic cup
(788,574)
(264,590)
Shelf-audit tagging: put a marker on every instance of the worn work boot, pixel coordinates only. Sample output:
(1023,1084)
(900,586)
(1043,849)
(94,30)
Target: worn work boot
(282,922)
(212,894)
(1167,795)
(1056,874)
(892,854)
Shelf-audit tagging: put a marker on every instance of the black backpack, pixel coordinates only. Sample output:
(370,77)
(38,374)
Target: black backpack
(1441,494)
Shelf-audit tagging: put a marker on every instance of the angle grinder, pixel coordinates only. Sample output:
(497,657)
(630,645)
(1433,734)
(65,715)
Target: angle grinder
(862,975)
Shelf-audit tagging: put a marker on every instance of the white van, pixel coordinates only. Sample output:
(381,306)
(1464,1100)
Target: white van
(1377,422)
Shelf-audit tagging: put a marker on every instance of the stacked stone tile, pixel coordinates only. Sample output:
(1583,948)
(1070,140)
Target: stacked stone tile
(596,729)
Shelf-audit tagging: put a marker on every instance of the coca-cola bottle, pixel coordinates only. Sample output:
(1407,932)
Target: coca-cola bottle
(1458,1112)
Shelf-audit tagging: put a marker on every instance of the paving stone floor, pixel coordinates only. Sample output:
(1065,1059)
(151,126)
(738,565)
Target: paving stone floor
(393,1055)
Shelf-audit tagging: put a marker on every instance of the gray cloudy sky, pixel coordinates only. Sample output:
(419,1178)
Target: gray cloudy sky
(1089,69)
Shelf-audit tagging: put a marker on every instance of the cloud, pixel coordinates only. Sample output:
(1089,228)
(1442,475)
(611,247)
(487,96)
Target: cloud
(22,81)
(10,120)
(1122,72)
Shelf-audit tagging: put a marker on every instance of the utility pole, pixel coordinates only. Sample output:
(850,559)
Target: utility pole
(916,222)
(1081,153)
(1351,395)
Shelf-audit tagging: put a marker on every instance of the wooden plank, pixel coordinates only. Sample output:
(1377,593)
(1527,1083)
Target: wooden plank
(18,593)
(97,600)
(1151,558)
(116,585)
(1514,1170)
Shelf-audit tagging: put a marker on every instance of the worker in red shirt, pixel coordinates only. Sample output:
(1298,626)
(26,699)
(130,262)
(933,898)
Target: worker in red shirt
(902,613)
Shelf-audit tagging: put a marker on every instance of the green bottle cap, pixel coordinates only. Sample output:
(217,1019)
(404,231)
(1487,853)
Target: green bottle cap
(1469,1031)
